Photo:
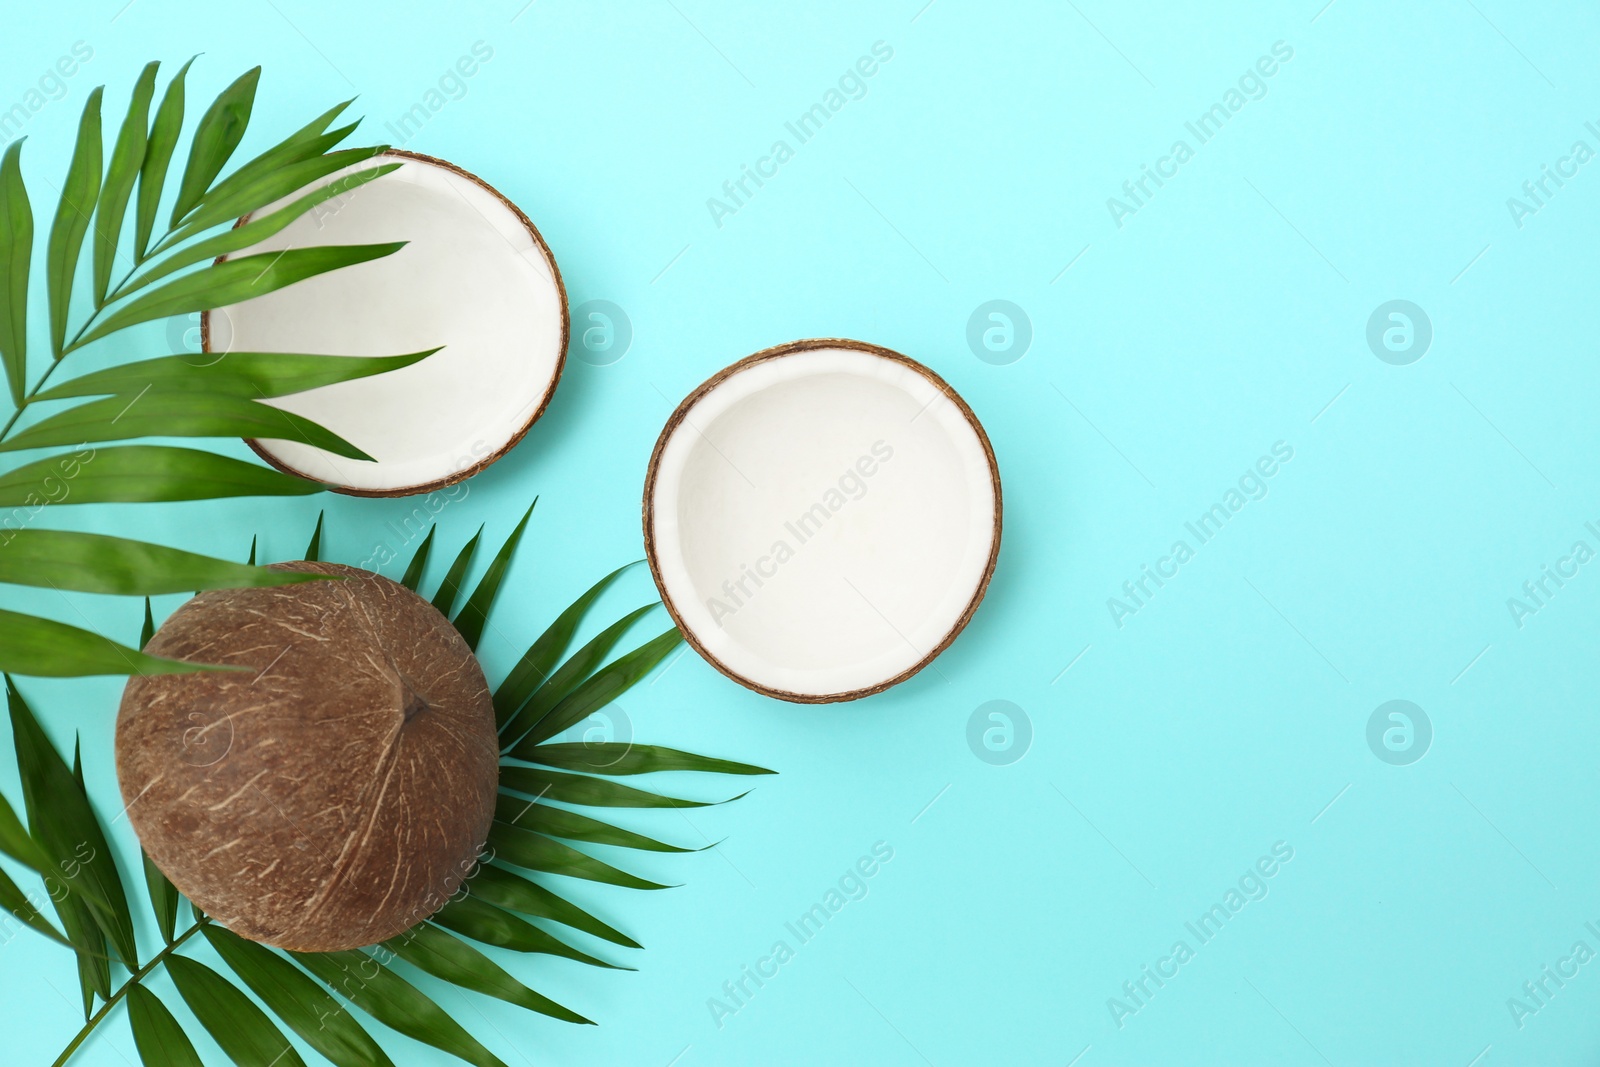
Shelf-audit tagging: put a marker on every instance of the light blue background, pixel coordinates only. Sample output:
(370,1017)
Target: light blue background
(1226,315)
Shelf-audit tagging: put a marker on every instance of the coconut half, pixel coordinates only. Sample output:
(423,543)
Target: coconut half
(476,277)
(822,519)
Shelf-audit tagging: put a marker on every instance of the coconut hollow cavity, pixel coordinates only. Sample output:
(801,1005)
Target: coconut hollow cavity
(476,277)
(336,792)
(822,519)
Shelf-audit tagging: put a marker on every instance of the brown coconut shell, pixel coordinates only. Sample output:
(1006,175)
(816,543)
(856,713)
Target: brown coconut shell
(338,790)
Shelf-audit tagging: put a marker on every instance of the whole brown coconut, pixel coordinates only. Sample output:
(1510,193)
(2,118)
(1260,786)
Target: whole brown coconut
(338,791)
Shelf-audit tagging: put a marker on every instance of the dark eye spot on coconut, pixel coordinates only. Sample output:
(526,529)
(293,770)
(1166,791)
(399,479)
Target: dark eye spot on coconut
(330,824)
(412,703)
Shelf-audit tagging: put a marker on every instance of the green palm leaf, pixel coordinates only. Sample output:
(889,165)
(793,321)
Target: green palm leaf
(513,892)
(63,821)
(156,1034)
(255,231)
(100,563)
(163,139)
(19,844)
(234,281)
(94,961)
(534,668)
(615,757)
(573,826)
(16,226)
(163,898)
(49,649)
(524,848)
(161,414)
(17,905)
(591,792)
(600,689)
(566,678)
(396,1003)
(243,1030)
(445,598)
(220,130)
(445,956)
(475,918)
(85,928)
(171,398)
(475,612)
(313,551)
(295,999)
(139,473)
(78,195)
(226,204)
(419,562)
(126,159)
(242,374)
(307,142)
(290,148)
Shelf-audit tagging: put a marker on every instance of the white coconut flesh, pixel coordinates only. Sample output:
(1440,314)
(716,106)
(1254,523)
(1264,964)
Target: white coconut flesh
(822,521)
(473,278)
